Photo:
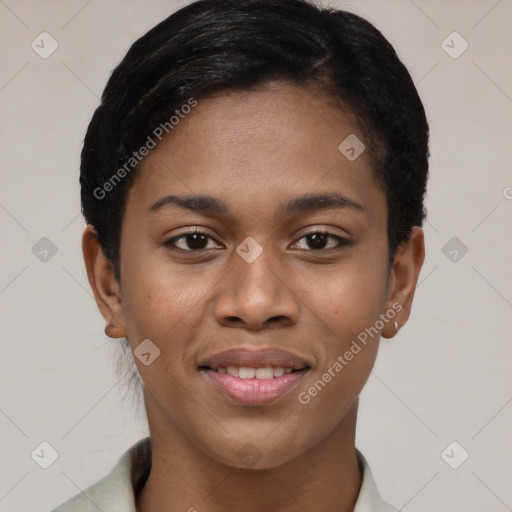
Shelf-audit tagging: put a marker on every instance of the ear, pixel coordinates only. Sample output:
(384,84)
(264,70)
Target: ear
(106,290)
(403,279)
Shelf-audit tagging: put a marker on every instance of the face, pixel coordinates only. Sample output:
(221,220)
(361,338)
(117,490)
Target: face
(257,297)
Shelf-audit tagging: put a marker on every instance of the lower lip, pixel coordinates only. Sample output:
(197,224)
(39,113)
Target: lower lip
(254,392)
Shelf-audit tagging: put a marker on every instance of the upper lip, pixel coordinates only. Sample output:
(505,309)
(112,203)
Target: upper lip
(256,358)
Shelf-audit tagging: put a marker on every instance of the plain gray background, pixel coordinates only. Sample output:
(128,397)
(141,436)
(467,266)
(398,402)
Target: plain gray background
(444,378)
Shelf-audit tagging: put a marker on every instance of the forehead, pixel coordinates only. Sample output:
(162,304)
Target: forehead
(252,149)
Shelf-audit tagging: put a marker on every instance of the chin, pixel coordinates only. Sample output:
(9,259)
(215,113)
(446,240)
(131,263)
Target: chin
(257,454)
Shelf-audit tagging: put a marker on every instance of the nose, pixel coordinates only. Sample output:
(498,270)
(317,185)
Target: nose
(257,295)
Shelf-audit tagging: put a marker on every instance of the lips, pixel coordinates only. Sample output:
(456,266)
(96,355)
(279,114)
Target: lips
(261,373)
(254,377)
(256,358)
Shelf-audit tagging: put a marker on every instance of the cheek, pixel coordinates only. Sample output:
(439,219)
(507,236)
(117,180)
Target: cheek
(161,308)
(348,299)
(349,351)
(167,306)
(157,295)
(348,308)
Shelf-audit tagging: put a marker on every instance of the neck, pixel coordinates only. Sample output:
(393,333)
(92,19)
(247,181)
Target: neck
(183,478)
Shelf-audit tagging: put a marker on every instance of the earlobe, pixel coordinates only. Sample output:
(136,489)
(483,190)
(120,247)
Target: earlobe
(403,280)
(100,274)
(391,329)
(113,331)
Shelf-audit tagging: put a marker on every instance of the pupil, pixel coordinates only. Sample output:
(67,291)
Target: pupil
(198,241)
(194,243)
(317,240)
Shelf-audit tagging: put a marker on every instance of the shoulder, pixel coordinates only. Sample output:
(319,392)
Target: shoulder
(116,491)
(369,499)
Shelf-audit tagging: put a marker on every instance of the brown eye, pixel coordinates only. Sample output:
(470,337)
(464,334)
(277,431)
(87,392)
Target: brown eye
(191,241)
(319,240)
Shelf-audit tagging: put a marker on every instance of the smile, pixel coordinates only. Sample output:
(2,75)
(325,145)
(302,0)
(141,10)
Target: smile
(254,377)
(245,372)
(249,389)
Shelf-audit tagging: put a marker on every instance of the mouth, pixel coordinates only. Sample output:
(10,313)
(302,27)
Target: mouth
(254,377)
(247,372)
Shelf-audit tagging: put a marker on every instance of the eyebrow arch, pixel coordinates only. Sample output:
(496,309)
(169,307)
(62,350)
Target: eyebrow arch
(302,204)
(315,202)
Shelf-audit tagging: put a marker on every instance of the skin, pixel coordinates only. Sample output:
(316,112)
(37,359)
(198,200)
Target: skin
(254,150)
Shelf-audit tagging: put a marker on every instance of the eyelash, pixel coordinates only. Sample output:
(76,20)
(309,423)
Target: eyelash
(341,241)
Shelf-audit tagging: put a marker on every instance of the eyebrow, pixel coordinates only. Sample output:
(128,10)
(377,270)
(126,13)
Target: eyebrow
(306,203)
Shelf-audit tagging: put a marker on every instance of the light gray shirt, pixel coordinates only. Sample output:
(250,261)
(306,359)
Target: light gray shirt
(116,491)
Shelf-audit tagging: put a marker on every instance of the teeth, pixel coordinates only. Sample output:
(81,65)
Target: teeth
(264,373)
(278,372)
(232,370)
(245,372)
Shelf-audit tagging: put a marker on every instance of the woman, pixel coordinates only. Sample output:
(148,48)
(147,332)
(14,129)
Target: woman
(253,184)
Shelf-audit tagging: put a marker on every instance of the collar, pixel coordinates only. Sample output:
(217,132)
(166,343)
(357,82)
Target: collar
(116,491)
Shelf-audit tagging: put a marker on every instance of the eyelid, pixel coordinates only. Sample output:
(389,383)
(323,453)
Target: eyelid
(322,230)
(342,241)
(170,242)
